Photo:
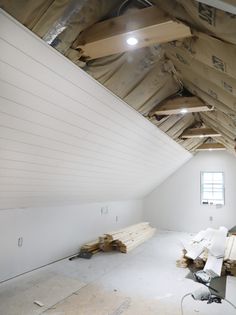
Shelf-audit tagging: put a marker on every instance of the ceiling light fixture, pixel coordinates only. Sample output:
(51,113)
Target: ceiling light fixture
(132,41)
(183,111)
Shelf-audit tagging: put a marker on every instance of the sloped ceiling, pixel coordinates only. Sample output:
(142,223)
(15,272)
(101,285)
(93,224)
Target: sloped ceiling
(64,137)
(202,65)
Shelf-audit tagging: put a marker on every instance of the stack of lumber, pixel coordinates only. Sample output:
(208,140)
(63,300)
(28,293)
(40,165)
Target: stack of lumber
(198,262)
(216,251)
(123,240)
(230,255)
(232,231)
(210,259)
(127,239)
(92,247)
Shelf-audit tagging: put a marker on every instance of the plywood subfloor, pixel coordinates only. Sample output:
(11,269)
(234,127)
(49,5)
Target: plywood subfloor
(144,282)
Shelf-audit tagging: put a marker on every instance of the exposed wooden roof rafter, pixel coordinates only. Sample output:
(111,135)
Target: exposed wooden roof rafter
(199,133)
(178,105)
(149,26)
(211,146)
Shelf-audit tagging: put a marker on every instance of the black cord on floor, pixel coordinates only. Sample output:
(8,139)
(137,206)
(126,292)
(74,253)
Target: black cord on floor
(182,301)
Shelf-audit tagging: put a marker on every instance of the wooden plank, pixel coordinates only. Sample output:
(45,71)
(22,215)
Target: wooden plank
(127,247)
(194,250)
(199,133)
(149,26)
(216,252)
(230,243)
(126,239)
(213,266)
(217,247)
(211,146)
(173,106)
(232,256)
(219,253)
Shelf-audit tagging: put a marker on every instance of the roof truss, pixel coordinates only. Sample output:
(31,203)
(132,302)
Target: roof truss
(214,146)
(149,26)
(178,105)
(199,133)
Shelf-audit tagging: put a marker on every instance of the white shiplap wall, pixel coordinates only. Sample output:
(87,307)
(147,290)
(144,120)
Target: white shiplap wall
(64,138)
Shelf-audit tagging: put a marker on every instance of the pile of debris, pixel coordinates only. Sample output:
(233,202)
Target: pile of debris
(211,250)
(123,240)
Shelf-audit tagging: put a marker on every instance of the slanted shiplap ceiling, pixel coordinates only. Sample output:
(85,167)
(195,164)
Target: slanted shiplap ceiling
(64,137)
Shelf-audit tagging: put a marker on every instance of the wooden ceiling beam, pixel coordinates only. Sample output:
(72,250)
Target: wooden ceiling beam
(214,146)
(180,105)
(149,26)
(199,133)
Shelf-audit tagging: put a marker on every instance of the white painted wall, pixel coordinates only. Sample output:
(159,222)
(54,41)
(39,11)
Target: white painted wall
(52,233)
(175,204)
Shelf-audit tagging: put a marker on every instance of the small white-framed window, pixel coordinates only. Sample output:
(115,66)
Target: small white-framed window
(212,188)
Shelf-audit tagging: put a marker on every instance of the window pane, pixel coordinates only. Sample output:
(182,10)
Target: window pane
(217,177)
(212,188)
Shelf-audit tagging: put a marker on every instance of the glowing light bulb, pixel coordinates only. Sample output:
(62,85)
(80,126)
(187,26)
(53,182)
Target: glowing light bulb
(183,111)
(132,41)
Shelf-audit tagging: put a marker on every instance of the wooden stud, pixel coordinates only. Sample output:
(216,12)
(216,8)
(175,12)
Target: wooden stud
(178,105)
(211,146)
(199,133)
(149,26)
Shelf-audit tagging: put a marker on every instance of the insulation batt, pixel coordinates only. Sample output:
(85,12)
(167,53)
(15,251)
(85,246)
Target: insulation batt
(202,17)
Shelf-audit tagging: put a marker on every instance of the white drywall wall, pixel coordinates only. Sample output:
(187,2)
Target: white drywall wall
(65,139)
(53,233)
(175,204)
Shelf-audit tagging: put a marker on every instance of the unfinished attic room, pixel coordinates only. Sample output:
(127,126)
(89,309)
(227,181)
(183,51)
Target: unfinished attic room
(117,157)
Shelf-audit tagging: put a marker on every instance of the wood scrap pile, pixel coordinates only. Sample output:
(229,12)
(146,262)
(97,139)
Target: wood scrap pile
(212,251)
(123,240)
(126,239)
(92,247)
(230,256)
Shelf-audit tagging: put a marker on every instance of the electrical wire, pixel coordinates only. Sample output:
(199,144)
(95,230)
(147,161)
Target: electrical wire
(146,2)
(182,301)
(126,2)
(234,306)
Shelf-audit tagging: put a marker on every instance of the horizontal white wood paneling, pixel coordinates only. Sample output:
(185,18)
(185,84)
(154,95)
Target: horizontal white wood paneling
(64,138)
(52,233)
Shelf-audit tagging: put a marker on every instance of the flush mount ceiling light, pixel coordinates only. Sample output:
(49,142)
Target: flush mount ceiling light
(183,111)
(132,41)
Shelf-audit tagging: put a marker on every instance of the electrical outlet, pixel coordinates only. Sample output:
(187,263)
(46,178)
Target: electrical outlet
(117,218)
(20,241)
(210,218)
(104,210)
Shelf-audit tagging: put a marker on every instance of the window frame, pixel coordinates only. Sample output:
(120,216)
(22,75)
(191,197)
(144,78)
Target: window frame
(201,190)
